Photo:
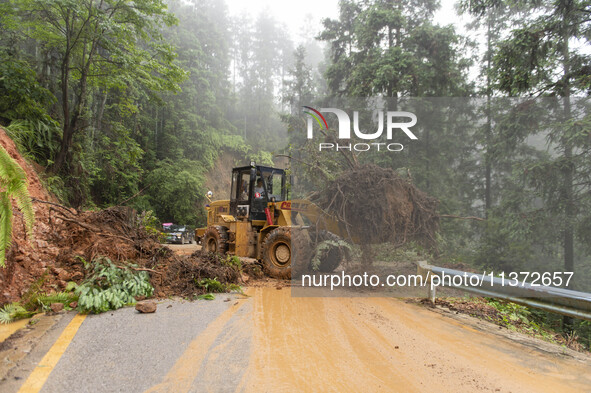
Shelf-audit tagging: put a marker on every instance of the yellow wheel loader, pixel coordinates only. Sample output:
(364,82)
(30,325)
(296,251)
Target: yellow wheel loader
(259,221)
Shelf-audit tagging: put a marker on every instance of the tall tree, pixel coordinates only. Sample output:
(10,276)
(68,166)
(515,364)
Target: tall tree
(391,48)
(262,55)
(299,83)
(104,43)
(528,62)
(489,17)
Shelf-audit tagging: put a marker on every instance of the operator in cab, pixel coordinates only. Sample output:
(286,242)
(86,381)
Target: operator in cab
(259,191)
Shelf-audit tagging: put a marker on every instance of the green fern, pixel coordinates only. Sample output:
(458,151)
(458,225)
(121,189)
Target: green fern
(13,311)
(45,301)
(212,285)
(72,286)
(38,140)
(13,183)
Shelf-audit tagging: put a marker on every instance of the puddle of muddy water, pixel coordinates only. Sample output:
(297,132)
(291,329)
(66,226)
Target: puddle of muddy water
(6,330)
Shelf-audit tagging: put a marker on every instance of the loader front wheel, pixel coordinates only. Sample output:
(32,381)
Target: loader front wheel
(276,253)
(334,255)
(301,252)
(215,239)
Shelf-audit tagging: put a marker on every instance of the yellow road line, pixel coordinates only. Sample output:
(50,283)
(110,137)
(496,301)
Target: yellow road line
(37,379)
(180,377)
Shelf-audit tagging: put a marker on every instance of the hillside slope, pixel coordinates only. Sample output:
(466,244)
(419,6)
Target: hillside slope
(27,262)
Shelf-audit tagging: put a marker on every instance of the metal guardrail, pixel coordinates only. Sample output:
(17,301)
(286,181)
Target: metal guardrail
(558,300)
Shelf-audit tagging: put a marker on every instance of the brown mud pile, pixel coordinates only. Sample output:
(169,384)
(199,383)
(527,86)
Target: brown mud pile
(379,206)
(65,238)
(77,237)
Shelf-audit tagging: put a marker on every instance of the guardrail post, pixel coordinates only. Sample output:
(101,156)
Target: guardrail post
(424,271)
(431,292)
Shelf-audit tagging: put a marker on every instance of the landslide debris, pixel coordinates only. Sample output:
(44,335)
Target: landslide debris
(379,206)
(117,233)
(65,239)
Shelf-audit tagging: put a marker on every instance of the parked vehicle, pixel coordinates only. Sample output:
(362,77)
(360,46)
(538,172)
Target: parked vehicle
(180,234)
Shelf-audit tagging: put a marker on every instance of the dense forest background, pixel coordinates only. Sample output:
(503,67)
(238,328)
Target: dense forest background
(134,102)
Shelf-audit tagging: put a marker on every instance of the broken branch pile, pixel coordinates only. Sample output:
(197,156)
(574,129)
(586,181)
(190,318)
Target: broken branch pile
(66,239)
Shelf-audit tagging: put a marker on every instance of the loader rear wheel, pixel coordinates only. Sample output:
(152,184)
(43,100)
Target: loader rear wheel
(215,239)
(276,253)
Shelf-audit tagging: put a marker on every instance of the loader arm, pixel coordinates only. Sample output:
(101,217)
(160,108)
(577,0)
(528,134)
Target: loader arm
(304,212)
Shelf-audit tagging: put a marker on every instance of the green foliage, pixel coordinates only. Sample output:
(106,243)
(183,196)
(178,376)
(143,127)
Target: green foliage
(542,324)
(232,261)
(12,312)
(36,300)
(13,185)
(37,139)
(109,286)
(584,331)
(378,48)
(213,285)
(55,185)
(29,298)
(114,165)
(206,296)
(505,246)
(21,95)
(533,322)
(511,312)
(175,190)
(261,55)
(539,58)
(390,253)
(234,288)
(151,224)
(71,286)
(45,300)
(105,49)
(149,100)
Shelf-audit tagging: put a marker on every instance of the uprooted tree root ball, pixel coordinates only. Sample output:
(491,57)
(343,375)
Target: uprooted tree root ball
(378,206)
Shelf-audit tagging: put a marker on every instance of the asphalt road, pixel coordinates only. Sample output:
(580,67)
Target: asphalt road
(273,342)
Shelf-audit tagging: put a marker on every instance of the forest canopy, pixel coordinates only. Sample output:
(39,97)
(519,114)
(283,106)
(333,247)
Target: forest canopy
(135,101)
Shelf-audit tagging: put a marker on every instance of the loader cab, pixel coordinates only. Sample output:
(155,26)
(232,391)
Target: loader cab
(253,187)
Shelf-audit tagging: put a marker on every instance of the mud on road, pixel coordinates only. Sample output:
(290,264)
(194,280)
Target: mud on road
(184,249)
(270,341)
(382,344)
